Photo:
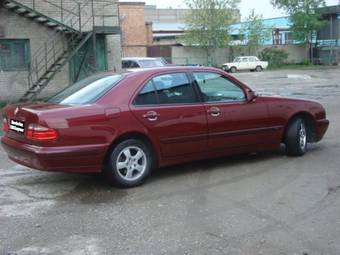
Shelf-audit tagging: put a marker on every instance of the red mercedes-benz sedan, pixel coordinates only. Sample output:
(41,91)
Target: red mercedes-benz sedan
(127,124)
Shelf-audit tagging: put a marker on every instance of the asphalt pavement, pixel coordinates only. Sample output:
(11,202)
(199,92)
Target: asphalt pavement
(266,203)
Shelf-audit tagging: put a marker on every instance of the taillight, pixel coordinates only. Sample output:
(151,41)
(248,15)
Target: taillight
(37,132)
(5,126)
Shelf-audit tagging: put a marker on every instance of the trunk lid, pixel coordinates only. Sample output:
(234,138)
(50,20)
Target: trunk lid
(19,116)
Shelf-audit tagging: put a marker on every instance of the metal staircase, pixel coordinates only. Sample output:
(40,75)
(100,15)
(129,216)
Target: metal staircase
(66,38)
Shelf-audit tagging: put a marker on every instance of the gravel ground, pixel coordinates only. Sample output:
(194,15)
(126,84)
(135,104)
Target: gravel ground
(259,204)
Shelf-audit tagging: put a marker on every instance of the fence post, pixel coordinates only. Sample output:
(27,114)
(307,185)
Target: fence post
(93,19)
(33,4)
(62,11)
(79,13)
(46,56)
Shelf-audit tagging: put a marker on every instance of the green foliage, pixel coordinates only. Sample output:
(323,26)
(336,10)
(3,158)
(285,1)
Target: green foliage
(303,16)
(208,22)
(274,56)
(255,32)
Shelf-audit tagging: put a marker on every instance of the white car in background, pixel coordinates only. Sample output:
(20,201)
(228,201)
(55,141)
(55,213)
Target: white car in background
(142,62)
(245,63)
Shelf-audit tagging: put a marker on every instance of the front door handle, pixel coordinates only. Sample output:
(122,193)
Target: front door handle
(214,111)
(151,115)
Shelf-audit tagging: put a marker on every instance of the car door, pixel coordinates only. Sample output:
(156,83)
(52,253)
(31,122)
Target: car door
(252,63)
(233,121)
(169,108)
(245,64)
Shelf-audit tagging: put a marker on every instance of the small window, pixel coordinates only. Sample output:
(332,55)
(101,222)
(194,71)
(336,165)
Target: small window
(14,54)
(151,63)
(147,96)
(215,88)
(174,89)
(129,64)
(125,64)
(134,64)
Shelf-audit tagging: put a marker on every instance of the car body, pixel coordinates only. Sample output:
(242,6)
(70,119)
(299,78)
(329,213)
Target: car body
(142,62)
(251,63)
(172,114)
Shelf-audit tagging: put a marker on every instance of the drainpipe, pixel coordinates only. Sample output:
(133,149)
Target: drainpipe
(331,37)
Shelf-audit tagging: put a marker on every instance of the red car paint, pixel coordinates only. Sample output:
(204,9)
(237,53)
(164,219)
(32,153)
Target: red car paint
(85,133)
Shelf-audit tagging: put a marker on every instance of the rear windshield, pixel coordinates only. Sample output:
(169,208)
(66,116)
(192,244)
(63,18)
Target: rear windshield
(86,91)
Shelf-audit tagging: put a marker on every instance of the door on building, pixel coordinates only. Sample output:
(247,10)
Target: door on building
(82,64)
(160,51)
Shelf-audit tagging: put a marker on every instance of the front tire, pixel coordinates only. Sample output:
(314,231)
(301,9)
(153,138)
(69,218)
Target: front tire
(129,163)
(258,69)
(296,138)
(233,69)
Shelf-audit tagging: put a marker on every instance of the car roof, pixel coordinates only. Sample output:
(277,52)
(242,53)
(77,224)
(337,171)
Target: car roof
(157,70)
(139,58)
(246,57)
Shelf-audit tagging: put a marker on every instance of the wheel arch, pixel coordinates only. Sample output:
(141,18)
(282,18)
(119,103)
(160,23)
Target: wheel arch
(310,124)
(138,136)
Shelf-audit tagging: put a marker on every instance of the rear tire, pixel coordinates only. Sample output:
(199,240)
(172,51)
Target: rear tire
(129,163)
(296,138)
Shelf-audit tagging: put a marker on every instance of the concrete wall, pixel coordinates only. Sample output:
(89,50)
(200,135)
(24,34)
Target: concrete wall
(168,15)
(184,55)
(13,84)
(70,13)
(114,52)
(197,55)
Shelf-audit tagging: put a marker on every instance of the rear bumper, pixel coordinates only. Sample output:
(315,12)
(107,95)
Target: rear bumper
(76,159)
(321,128)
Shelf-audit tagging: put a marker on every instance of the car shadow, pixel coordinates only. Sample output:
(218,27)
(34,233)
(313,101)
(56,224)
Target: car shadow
(215,164)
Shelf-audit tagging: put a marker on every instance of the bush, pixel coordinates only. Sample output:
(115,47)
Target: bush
(274,56)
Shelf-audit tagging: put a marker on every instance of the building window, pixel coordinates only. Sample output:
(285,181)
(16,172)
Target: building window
(14,54)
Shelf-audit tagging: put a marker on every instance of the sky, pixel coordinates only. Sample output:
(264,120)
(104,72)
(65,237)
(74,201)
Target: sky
(261,6)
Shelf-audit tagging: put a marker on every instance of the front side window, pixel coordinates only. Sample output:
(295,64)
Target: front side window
(14,54)
(86,91)
(215,88)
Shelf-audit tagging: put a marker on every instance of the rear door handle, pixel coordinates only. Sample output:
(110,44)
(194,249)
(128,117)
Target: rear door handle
(214,111)
(151,115)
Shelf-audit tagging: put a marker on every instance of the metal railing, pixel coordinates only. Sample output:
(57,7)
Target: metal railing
(67,34)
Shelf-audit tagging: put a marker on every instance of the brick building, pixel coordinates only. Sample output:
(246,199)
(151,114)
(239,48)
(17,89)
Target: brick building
(136,32)
(47,45)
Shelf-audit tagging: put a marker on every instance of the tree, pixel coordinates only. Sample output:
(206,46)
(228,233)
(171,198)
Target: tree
(208,22)
(255,32)
(305,19)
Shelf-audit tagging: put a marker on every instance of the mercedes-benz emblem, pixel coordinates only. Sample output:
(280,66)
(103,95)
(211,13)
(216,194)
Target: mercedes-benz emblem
(16,111)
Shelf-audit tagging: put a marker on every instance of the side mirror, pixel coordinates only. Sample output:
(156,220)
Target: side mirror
(250,95)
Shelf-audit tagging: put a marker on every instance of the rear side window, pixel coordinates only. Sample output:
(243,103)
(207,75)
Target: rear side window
(172,88)
(86,91)
(147,96)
